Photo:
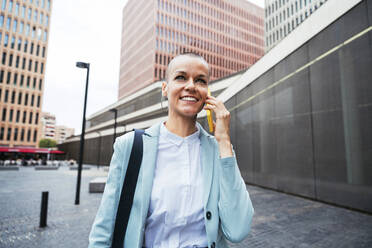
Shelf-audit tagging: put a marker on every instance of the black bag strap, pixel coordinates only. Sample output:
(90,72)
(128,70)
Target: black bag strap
(127,192)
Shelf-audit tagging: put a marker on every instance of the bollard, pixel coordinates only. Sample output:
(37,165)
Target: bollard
(44,209)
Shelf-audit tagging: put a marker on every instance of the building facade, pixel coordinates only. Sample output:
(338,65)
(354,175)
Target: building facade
(228,34)
(62,133)
(282,16)
(48,126)
(24,30)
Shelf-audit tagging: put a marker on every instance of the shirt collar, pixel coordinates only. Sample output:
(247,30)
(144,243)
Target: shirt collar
(177,140)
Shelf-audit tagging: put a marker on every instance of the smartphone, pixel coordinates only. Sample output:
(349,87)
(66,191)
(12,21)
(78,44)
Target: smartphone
(209,116)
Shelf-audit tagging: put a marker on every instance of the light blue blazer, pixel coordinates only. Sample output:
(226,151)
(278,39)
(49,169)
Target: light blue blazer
(226,199)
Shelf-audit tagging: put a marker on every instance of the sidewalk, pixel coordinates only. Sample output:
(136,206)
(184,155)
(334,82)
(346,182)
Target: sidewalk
(280,220)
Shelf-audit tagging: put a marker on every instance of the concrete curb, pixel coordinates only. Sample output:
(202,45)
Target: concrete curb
(97,185)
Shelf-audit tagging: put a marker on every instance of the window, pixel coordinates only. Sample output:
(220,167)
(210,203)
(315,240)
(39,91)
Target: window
(3,118)
(8,134)
(2,131)
(29,13)
(17,116)
(34,84)
(8,78)
(3,5)
(10,60)
(1,21)
(24,117)
(8,20)
(15,78)
(12,43)
(40,84)
(26,99)
(21,24)
(29,65)
(41,68)
(27,29)
(6,96)
(36,65)
(37,50)
(35,16)
(10,6)
(3,58)
(15,134)
(22,134)
(23,11)
(23,64)
(20,97)
(28,134)
(25,47)
(32,48)
(17,9)
(15,23)
(30,120)
(28,82)
(43,53)
(17,61)
(32,100)
(37,118)
(35,135)
(38,101)
(46,20)
(11,115)
(19,44)
(1,77)
(45,35)
(6,40)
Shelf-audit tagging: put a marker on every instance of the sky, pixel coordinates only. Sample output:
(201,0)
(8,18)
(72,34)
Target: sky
(87,31)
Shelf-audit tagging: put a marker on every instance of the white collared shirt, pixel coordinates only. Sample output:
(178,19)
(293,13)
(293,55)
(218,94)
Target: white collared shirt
(176,215)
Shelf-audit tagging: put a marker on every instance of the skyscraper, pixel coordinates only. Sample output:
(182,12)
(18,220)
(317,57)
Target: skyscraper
(228,34)
(282,16)
(24,29)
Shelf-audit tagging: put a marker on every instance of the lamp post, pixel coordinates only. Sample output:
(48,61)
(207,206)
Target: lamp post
(77,195)
(116,115)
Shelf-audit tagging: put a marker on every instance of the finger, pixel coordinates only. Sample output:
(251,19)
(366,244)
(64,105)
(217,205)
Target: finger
(211,97)
(209,107)
(211,101)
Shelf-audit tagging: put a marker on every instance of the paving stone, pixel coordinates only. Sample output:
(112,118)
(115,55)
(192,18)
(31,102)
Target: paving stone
(280,220)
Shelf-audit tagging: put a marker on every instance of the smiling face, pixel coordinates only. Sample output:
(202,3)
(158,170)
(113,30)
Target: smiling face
(187,85)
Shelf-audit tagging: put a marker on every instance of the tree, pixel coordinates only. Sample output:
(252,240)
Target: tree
(47,143)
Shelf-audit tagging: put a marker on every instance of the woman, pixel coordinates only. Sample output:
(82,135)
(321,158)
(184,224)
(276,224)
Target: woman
(189,191)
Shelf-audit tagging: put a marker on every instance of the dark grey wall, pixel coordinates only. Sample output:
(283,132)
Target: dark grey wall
(311,135)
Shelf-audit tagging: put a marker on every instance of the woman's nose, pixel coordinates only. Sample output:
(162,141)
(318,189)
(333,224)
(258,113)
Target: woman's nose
(190,84)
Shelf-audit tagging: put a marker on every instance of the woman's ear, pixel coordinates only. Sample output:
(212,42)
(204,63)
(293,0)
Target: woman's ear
(164,89)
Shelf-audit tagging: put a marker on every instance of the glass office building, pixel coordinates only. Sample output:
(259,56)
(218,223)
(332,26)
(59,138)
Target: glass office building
(228,34)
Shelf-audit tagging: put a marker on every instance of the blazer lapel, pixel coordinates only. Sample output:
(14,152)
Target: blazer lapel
(207,163)
(150,149)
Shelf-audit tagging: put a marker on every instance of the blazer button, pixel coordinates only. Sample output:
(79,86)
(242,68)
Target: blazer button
(213,245)
(209,215)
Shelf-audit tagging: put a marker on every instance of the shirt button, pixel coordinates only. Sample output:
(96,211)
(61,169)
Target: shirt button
(213,245)
(209,215)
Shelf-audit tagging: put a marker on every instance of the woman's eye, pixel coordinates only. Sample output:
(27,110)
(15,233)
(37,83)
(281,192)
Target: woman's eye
(180,77)
(201,81)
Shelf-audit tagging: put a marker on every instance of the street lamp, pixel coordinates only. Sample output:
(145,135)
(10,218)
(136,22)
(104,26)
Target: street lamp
(77,195)
(116,115)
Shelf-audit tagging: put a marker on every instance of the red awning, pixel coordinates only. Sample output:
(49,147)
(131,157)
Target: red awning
(30,150)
